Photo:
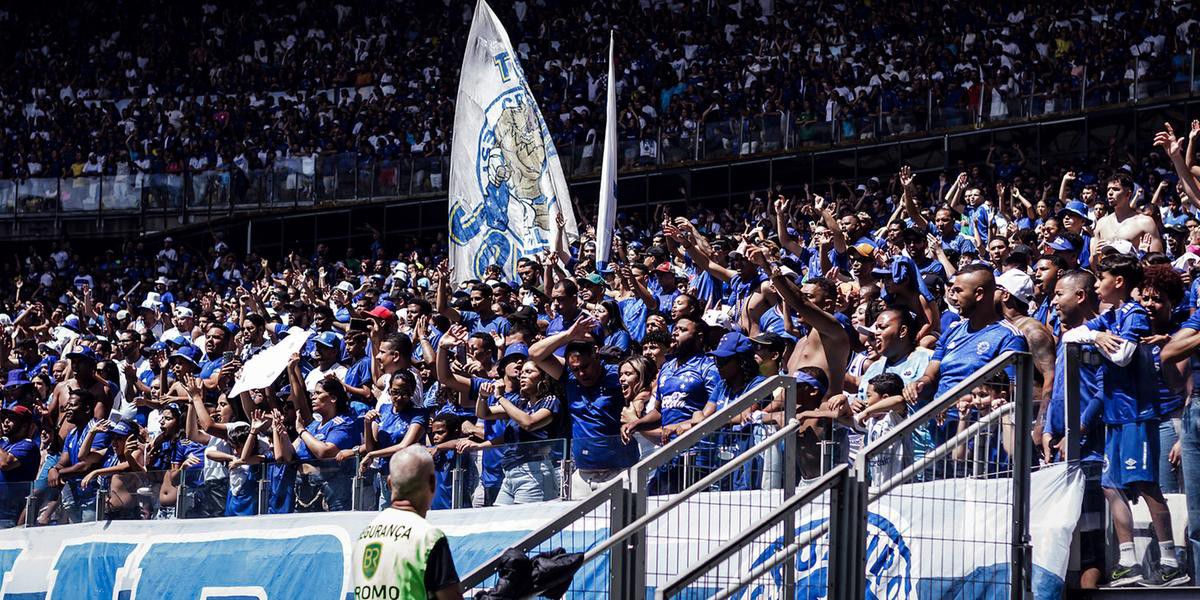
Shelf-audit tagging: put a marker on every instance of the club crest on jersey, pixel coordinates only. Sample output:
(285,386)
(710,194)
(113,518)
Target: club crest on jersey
(982,348)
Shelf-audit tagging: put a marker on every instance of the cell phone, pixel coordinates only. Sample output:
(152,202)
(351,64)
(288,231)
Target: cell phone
(357,324)
(228,356)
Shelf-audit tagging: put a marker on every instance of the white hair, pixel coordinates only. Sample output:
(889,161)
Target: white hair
(409,470)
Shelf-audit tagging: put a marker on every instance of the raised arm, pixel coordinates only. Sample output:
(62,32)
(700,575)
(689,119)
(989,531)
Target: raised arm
(1174,148)
(909,200)
(782,215)
(701,260)
(456,335)
(542,353)
(443,283)
(1064,187)
(954,195)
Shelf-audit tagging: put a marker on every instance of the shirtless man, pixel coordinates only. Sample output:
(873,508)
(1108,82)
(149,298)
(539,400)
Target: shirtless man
(1124,223)
(826,346)
(83,368)
(1014,295)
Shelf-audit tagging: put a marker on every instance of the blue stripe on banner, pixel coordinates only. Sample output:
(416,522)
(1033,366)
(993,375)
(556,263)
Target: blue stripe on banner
(29,596)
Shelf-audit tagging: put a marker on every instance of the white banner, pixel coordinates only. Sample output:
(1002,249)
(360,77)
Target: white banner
(932,540)
(606,218)
(263,368)
(506,183)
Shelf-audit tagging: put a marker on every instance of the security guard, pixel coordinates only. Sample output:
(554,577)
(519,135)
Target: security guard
(400,555)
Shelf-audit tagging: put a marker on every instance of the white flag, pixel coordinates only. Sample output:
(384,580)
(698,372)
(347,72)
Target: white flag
(606,218)
(506,183)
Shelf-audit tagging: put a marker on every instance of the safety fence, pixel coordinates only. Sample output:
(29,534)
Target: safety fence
(953,467)
(680,499)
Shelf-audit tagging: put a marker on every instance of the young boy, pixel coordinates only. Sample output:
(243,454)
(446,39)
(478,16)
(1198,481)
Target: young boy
(445,432)
(877,424)
(1130,414)
(993,456)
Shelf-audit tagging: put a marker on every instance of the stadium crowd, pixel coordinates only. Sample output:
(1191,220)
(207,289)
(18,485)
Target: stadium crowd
(120,367)
(85,90)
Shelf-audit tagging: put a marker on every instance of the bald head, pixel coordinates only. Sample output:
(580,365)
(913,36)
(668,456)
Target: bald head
(411,477)
(974,288)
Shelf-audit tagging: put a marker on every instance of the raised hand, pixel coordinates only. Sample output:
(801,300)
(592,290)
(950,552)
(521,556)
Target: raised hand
(782,205)
(582,327)
(1170,144)
(906,177)
(1195,129)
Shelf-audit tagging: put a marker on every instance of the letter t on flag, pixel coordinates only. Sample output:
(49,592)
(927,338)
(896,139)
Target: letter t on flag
(607,216)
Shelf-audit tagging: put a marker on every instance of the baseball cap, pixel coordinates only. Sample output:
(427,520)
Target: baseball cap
(1017,283)
(327,338)
(731,344)
(1120,247)
(188,353)
(345,286)
(773,341)
(123,428)
(864,250)
(183,312)
(514,352)
(594,279)
(382,312)
(18,411)
(85,353)
(1061,244)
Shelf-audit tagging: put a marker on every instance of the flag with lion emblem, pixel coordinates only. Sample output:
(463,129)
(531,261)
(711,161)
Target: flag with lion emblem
(508,195)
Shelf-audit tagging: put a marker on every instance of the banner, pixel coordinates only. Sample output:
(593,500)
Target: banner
(606,218)
(944,539)
(506,184)
(263,368)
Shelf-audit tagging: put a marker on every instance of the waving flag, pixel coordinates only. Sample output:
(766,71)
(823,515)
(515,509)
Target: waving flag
(607,217)
(506,184)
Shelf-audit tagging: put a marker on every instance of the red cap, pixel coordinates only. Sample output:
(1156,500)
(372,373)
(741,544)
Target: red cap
(20,411)
(663,267)
(382,312)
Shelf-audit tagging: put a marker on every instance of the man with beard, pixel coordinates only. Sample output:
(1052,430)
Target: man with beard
(970,343)
(1045,278)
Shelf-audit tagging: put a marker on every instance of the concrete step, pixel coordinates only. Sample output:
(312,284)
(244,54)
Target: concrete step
(1135,593)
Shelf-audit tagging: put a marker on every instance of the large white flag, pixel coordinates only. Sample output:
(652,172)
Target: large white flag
(606,218)
(506,183)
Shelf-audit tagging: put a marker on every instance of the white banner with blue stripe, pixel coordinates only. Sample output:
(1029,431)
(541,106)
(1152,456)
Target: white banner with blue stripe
(925,542)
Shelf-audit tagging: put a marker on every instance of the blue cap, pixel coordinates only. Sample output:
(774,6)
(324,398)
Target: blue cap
(153,348)
(803,378)
(178,341)
(114,307)
(731,344)
(17,378)
(1077,208)
(123,428)
(1061,244)
(284,392)
(513,352)
(84,352)
(189,353)
(328,339)
(388,304)
(71,322)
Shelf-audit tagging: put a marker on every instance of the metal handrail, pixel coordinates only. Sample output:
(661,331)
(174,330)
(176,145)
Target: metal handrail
(702,485)
(929,411)
(610,491)
(719,419)
(834,478)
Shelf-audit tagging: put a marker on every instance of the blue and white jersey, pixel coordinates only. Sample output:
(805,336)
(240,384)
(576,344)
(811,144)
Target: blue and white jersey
(962,351)
(339,431)
(1128,391)
(685,387)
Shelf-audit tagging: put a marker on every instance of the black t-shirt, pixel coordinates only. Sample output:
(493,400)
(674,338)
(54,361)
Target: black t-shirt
(439,570)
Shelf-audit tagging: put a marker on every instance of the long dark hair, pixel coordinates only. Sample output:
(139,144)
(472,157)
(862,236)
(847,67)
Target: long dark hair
(334,388)
(616,321)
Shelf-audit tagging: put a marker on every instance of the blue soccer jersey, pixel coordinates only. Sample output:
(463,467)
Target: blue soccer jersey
(684,387)
(963,351)
(1126,398)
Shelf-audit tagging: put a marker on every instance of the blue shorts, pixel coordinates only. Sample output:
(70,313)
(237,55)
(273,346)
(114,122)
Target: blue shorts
(1130,455)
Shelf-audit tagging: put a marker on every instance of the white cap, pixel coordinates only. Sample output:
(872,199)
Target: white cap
(1122,246)
(183,312)
(346,286)
(1017,283)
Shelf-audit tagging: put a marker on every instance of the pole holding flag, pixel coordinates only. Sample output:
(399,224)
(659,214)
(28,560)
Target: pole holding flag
(607,216)
(507,189)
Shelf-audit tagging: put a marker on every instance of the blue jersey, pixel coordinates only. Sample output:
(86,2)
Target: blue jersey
(723,395)
(595,415)
(634,313)
(493,431)
(359,376)
(30,458)
(740,288)
(1090,401)
(476,324)
(339,431)
(1169,399)
(772,321)
(72,445)
(980,220)
(393,426)
(1047,315)
(684,387)
(961,352)
(619,339)
(1126,399)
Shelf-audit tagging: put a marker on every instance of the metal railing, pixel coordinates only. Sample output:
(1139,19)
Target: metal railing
(760,551)
(943,461)
(627,570)
(837,512)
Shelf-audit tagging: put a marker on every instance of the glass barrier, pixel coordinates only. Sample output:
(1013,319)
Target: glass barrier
(256,190)
(289,181)
(13,500)
(121,192)
(325,178)
(80,193)
(162,190)
(345,176)
(676,144)
(8,196)
(497,474)
(37,195)
(210,189)
(721,139)
(364,175)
